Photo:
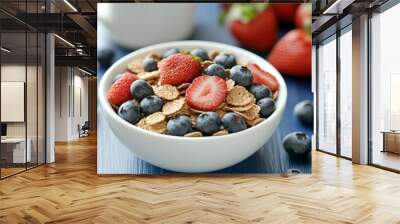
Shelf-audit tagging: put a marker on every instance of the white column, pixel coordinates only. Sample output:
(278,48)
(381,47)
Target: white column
(360,90)
(50,100)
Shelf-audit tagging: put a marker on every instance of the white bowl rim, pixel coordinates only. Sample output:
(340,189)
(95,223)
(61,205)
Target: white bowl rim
(112,72)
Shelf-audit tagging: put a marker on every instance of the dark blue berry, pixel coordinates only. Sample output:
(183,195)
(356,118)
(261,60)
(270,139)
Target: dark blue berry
(140,89)
(208,123)
(267,106)
(297,144)
(201,53)
(105,57)
(216,69)
(149,65)
(304,111)
(241,75)
(179,126)
(226,60)
(150,104)
(233,122)
(130,111)
(170,52)
(260,91)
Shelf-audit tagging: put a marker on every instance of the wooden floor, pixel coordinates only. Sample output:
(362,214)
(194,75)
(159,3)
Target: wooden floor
(70,191)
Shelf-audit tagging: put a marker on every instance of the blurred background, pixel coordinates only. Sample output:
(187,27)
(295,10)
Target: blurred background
(277,32)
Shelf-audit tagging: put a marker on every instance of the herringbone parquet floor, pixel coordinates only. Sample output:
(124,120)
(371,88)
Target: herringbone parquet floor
(70,191)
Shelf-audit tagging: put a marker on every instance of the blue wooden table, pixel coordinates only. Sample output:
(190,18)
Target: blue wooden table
(114,158)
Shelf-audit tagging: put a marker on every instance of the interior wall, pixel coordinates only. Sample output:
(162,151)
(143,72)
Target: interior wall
(71,102)
(17,73)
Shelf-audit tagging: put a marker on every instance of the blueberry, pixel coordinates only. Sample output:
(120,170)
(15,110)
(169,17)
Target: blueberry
(140,89)
(117,77)
(233,122)
(267,106)
(150,104)
(241,75)
(130,111)
(304,111)
(260,91)
(226,60)
(179,126)
(149,65)
(216,69)
(105,57)
(201,53)
(297,144)
(208,123)
(170,52)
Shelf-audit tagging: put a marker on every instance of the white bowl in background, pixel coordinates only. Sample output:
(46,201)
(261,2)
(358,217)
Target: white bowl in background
(142,24)
(191,154)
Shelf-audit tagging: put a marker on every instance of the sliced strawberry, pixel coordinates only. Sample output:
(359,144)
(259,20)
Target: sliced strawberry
(179,68)
(119,91)
(263,77)
(206,93)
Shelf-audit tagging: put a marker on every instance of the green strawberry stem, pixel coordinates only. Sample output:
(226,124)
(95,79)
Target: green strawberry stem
(307,27)
(244,12)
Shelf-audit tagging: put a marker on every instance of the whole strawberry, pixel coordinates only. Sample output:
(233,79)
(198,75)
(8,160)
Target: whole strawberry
(253,25)
(119,91)
(179,68)
(285,12)
(303,15)
(292,54)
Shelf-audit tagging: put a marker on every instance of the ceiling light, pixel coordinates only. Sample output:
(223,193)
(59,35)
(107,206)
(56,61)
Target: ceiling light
(337,7)
(65,41)
(70,5)
(5,50)
(84,71)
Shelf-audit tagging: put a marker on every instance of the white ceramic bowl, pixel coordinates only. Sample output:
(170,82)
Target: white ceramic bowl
(141,24)
(191,154)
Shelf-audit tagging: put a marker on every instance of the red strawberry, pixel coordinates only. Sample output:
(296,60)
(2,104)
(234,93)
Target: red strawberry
(178,69)
(263,77)
(292,54)
(303,15)
(206,93)
(258,31)
(285,12)
(119,91)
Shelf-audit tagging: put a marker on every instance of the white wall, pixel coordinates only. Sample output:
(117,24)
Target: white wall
(69,82)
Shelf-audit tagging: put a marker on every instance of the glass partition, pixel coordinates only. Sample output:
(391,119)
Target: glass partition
(14,153)
(22,77)
(346,92)
(327,95)
(385,89)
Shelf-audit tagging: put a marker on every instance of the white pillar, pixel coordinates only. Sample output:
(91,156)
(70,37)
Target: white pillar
(50,99)
(360,90)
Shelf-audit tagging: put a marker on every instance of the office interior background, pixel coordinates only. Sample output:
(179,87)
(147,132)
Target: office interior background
(48,79)
(48,92)
(357,81)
